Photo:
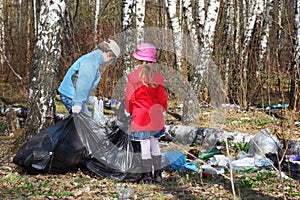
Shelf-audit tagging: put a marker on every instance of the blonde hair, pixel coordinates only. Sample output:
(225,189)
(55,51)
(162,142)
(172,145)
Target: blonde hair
(146,75)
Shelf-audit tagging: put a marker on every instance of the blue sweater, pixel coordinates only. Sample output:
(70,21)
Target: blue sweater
(88,77)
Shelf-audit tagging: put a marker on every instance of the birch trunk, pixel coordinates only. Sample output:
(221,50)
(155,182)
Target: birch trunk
(266,33)
(20,16)
(201,16)
(97,10)
(294,91)
(140,20)
(230,33)
(177,37)
(34,5)
(28,37)
(44,69)
(127,37)
(2,34)
(190,23)
(207,36)
(207,41)
(254,8)
(234,77)
(210,24)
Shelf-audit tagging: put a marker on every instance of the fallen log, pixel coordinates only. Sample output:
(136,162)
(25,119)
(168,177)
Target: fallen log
(207,138)
(194,135)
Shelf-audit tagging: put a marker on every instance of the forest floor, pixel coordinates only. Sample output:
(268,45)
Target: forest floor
(253,184)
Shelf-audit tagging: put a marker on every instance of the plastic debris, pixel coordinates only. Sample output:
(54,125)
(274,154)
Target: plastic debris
(208,154)
(278,106)
(210,171)
(263,143)
(124,191)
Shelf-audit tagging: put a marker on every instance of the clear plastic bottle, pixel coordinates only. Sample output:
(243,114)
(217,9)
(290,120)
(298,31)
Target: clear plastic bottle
(98,111)
(124,191)
(208,171)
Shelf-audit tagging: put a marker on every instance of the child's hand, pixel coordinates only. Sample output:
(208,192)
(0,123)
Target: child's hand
(76,109)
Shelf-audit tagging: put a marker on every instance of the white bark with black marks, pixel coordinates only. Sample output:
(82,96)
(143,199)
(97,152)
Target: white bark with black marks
(44,68)
(171,7)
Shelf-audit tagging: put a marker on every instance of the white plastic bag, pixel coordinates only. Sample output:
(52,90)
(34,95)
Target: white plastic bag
(263,143)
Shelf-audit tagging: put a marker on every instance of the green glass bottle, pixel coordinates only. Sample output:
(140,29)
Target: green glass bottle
(208,154)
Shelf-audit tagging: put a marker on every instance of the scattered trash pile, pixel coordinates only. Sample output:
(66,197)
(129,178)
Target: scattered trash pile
(264,152)
(105,149)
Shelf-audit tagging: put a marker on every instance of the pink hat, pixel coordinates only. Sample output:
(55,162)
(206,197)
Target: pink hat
(145,52)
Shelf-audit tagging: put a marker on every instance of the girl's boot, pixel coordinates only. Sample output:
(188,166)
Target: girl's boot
(147,170)
(157,168)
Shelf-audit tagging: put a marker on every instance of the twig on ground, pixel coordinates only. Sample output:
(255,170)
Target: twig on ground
(230,170)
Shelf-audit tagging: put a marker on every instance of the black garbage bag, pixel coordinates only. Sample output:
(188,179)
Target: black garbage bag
(79,142)
(57,149)
(292,169)
(114,155)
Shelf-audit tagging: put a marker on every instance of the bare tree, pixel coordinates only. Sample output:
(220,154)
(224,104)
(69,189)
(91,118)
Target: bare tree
(44,69)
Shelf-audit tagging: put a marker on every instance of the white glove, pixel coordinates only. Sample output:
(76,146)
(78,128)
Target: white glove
(164,113)
(126,113)
(76,109)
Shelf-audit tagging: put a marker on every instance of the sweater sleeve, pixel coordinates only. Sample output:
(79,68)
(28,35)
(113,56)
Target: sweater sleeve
(88,78)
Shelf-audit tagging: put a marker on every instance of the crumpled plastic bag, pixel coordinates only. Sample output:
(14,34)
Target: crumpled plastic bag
(176,161)
(263,143)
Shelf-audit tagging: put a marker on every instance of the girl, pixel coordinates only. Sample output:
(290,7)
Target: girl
(146,101)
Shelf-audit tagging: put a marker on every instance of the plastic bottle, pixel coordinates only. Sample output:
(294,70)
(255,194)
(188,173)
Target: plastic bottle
(124,191)
(101,109)
(208,154)
(208,171)
(98,111)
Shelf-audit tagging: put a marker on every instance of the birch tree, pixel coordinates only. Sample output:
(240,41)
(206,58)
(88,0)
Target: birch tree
(268,9)
(201,16)
(190,23)
(127,36)
(2,33)
(28,37)
(44,69)
(230,33)
(140,8)
(294,91)
(234,77)
(254,8)
(210,25)
(207,36)
(171,8)
(34,5)
(208,22)
(97,10)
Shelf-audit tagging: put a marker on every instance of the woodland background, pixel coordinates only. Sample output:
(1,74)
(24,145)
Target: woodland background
(254,43)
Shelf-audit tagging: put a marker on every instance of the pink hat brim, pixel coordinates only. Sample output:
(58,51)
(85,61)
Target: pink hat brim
(143,58)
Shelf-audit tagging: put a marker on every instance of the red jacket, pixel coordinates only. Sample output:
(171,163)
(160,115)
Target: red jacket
(145,103)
